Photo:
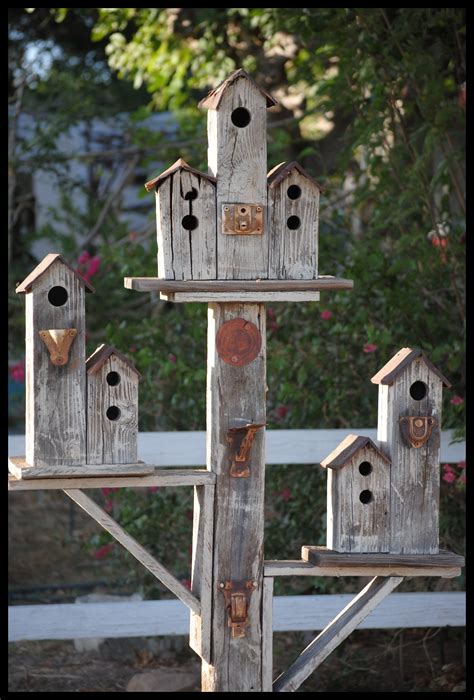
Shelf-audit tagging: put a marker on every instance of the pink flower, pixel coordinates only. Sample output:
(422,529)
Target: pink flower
(132,348)
(186,583)
(94,265)
(271,313)
(274,326)
(449,476)
(17,372)
(103,551)
(326,315)
(83,258)
(109,505)
(369,347)
(189,514)
(172,358)
(462,465)
(106,490)
(285,494)
(153,489)
(447,468)
(281,411)
(457,400)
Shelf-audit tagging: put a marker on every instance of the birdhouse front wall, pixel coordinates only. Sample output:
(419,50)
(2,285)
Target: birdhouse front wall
(293,228)
(415,480)
(358,504)
(186,227)
(112,414)
(55,395)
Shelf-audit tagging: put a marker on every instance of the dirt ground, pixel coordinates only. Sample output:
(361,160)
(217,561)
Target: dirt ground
(48,563)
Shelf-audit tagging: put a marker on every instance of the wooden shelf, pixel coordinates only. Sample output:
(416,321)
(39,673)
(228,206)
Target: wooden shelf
(321,556)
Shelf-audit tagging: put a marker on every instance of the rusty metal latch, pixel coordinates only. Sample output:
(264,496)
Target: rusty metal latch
(416,430)
(237,600)
(58,341)
(241,440)
(242,219)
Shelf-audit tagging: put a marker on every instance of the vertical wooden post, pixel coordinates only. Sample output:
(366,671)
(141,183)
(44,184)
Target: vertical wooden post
(236,396)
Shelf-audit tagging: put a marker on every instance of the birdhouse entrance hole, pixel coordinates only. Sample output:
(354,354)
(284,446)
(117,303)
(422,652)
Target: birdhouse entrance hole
(294,192)
(293,222)
(365,496)
(192,194)
(365,468)
(240,117)
(189,222)
(418,390)
(57,296)
(113,413)
(113,378)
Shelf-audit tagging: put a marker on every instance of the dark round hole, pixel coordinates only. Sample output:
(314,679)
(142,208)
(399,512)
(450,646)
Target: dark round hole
(240,117)
(293,192)
(365,468)
(57,296)
(293,222)
(192,194)
(113,378)
(418,391)
(365,496)
(113,413)
(189,222)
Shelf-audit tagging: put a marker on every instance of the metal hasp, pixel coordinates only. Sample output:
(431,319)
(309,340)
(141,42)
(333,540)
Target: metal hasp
(416,430)
(237,599)
(58,342)
(240,440)
(242,219)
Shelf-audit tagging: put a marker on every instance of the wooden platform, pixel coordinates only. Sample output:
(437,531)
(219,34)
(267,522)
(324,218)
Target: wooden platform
(21,470)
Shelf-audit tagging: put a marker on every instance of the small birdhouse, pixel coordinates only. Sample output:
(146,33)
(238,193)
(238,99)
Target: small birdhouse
(186,223)
(358,497)
(112,407)
(409,428)
(55,363)
(293,204)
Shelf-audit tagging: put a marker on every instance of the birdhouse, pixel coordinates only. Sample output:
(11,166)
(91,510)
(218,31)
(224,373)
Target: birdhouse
(55,363)
(112,407)
(409,427)
(186,223)
(358,497)
(293,205)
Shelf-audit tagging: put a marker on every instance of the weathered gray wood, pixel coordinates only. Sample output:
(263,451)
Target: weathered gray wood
(55,395)
(158,477)
(21,470)
(353,526)
(299,567)
(335,633)
(226,297)
(321,284)
(236,395)
(201,574)
(136,549)
(267,635)
(293,253)
(164,233)
(321,556)
(414,492)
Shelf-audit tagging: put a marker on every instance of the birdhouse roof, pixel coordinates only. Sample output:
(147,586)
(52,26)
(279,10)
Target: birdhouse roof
(281,171)
(400,362)
(44,265)
(346,450)
(214,98)
(179,165)
(98,358)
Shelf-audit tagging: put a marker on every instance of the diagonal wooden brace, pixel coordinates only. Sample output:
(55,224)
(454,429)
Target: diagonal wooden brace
(58,341)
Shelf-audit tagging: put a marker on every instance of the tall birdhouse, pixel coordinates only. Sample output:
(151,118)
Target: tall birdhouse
(409,428)
(55,363)
(358,497)
(112,407)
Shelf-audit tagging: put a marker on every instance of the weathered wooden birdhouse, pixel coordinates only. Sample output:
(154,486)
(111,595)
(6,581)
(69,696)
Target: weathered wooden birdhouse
(409,428)
(358,497)
(293,206)
(112,407)
(55,363)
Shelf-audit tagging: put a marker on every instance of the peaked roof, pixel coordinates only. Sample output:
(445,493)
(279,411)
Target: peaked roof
(98,358)
(44,265)
(400,362)
(214,98)
(346,449)
(279,172)
(180,164)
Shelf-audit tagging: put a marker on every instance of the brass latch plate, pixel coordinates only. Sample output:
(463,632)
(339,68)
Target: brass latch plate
(237,599)
(416,430)
(242,219)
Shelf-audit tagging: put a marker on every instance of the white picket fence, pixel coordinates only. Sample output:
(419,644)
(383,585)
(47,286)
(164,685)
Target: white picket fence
(291,613)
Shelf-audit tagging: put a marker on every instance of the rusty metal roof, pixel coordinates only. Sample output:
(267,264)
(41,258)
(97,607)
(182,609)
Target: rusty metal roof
(98,358)
(214,98)
(400,362)
(346,450)
(279,172)
(180,164)
(44,265)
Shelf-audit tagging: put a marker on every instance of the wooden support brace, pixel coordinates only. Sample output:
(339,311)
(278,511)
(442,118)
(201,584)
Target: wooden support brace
(267,635)
(335,633)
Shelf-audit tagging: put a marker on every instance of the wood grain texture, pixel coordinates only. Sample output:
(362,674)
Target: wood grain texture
(112,441)
(251,297)
(293,253)
(55,395)
(339,629)
(321,556)
(201,572)
(238,158)
(136,549)
(321,284)
(21,470)
(414,479)
(236,395)
(353,526)
(267,635)
(299,567)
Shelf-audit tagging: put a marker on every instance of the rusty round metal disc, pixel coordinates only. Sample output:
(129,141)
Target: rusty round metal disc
(238,342)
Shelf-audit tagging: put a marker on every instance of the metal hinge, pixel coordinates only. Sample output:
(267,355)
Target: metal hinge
(241,440)
(242,219)
(237,600)
(58,342)
(416,430)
